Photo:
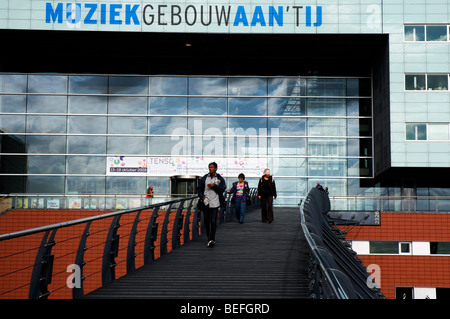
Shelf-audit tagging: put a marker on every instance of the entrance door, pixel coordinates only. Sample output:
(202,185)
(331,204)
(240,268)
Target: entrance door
(183,185)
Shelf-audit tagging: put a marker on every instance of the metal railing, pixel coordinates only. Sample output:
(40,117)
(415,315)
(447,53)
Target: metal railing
(161,227)
(334,271)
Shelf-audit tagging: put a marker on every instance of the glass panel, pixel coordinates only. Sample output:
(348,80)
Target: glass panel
(207,125)
(86,144)
(384,247)
(168,105)
(286,106)
(327,167)
(286,87)
(46,124)
(86,185)
(87,125)
(330,147)
(287,146)
(86,165)
(245,145)
(13,104)
(47,84)
(46,144)
(166,125)
(46,164)
(84,84)
(13,83)
(326,87)
(247,86)
(438,132)
(127,125)
(47,104)
(127,105)
(207,106)
(207,86)
(122,145)
(353,87)
(168,86)
(251,125)
(437,82)
(288,126)
(125,185)
(326,107)
(436,33)
(12,123)
(327,127)
(45,184)
(128,85)
(88,104)
(287,166)
(414,82)
(247,106)
(414,33)
(169,145)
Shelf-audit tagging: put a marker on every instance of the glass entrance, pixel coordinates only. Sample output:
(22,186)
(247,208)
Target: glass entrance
(183,185)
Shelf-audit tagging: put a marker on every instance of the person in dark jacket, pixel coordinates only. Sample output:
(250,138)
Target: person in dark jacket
(267,192)
(239,192)
(210,189)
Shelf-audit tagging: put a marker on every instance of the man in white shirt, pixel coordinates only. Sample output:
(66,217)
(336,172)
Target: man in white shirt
(210,189)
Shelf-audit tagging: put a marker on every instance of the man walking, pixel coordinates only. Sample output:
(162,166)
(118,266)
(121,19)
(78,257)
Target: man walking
(210,190)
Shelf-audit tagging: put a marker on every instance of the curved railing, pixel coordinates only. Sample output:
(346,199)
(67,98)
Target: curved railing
(334,271)
(72,258)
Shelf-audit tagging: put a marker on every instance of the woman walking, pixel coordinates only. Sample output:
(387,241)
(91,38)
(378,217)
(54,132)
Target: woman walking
(239,192)
(267,192)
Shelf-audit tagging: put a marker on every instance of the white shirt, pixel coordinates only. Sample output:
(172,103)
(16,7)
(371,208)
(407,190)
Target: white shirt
(211,197)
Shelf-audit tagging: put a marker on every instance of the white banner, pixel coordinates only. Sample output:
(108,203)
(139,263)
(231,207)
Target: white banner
(170,166)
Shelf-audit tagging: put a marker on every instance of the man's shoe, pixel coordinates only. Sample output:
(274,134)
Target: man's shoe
(211,243)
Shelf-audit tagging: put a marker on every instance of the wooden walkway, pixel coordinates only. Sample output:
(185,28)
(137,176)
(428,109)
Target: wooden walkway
(250,260)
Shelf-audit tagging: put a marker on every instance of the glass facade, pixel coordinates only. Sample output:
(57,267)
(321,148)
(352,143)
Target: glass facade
(63,129)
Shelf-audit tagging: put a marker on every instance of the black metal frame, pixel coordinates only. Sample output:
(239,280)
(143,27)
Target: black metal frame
(335,271)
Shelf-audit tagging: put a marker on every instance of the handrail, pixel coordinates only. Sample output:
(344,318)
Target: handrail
(329,278)
(182,211)
(335,271)
(84,220)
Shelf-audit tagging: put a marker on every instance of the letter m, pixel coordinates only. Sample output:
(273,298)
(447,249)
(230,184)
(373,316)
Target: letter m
(53,15)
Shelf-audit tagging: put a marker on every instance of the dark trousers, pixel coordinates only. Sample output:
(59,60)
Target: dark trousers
(210,218)
(267,209)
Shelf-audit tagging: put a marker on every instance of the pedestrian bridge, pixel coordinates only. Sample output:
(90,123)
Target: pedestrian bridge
(159,252)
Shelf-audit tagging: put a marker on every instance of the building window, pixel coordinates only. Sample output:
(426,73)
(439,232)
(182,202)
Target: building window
(437,82)
(436,33)
(414,33)
(414,82)
(416,132)
(429,33)
(439,248)
(405,248)
(384,247)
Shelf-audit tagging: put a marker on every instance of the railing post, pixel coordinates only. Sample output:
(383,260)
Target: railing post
(110,252)
(131,254)
(79,260)
(187,230)
(164,230)
(177,226)
(150,237)
(41,276)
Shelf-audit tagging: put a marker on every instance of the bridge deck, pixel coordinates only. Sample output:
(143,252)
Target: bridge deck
(250,260)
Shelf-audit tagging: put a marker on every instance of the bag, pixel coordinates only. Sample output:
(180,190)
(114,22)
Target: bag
(248,202)
(201,205)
